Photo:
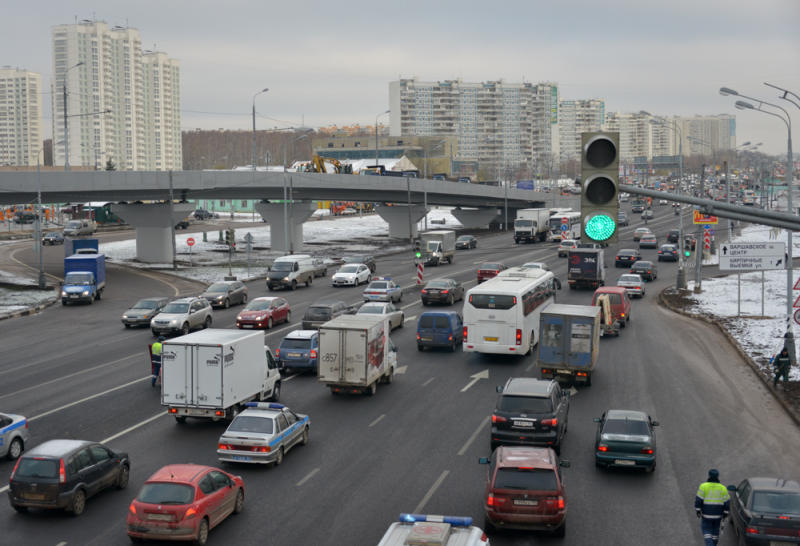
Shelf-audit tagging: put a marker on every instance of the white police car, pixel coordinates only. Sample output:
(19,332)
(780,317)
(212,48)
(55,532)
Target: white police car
(383,289)
(13,435)
(262,433)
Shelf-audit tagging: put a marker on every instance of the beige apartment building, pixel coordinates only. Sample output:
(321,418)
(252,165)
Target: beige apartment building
(20,117)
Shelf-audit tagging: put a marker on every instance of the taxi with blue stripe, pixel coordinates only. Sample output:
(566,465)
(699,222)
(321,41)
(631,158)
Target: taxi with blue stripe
(263,433)
(13,435)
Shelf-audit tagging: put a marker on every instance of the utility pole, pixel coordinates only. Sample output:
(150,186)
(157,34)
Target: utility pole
(172,221)
(697,248)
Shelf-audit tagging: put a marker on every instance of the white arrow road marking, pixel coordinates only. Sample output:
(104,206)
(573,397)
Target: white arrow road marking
(401,369)
(573,391)
(475,377)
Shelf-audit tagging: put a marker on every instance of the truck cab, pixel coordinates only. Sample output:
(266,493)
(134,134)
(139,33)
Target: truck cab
(438,246)
(84,278)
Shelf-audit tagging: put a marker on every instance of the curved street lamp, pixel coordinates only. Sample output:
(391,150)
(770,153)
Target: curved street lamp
(66,128)
(254,124)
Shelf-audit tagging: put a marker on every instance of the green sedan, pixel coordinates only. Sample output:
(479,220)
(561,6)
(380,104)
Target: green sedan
(625,438)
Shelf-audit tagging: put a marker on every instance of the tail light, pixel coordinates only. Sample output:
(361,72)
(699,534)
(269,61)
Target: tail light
(313,353)
(424,291)
(220,413)
(173,410)
(751,531)
(647,451)
(465,333)
(278,351)
(603,448)
(189,513)
(498,419)
(418,338)
(560,504)
(550,422)
(519,336)
(491,500)
(62,475)
(224,446)
(260,449)
(622,315)
(450,338)
(445,291)
(554,503)
(132,509)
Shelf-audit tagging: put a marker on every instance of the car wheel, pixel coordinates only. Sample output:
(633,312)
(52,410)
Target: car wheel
(622,325)
(244,299)
(369,279)
(269,287)
(372,389)
(453,346)
(401,297)
(304,441)
(15,449)
(276,392)
(227,303)
(309,281)
(279,458)
(557,448)
(294,285)
(420,347)
(124,477)
(78,504)
(20,509)
(269,323)
(488,526)
(451,300)
(207,323)
(202,533)
(288,317)
(185,328)
(402,320)
(180,419)
(651,469)
(239,505)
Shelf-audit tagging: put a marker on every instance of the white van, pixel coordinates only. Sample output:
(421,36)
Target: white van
(79,227)
(289,271)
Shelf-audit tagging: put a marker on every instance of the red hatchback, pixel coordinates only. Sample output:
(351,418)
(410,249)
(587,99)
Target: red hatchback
(524,490)
(489,270)
(263,313)
(183,502)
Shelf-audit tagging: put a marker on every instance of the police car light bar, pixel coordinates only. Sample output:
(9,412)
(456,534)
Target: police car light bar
(452,520)
(264,405)
(382,279)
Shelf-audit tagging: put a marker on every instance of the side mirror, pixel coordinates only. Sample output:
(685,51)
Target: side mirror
(596,419)
(732,488)
(563,464)
(654,423)
(485,460)
(498,388)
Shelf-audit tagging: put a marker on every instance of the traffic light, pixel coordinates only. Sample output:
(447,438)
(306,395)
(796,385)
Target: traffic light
(417,250)
(230,235)
(600,187)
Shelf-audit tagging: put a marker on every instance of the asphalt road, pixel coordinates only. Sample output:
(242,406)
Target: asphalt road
(413,447)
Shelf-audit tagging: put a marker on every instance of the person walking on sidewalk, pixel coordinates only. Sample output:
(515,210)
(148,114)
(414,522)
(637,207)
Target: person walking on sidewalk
(781,363)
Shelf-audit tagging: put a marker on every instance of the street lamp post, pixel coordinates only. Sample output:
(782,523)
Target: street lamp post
(376,135)
(742,105)
(254,124)
(66,127)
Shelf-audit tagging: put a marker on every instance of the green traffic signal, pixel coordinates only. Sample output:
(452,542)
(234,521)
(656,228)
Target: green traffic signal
(418,254)
(687,253)
(600,227)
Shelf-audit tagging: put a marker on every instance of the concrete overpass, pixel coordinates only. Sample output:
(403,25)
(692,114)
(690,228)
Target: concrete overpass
(481,204)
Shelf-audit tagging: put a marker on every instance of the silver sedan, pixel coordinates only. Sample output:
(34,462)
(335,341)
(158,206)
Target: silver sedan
(633,284)
(13,435)
(263,433)
(396,316)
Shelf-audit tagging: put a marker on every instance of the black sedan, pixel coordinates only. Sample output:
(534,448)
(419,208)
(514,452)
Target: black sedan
(673,236)
(766,511)
(627,257)
(53,238)
(647,270)
(668,253)
(466,242)
(446,291)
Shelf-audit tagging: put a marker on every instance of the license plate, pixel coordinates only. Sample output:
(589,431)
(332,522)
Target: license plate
(528,424)
(241,458)
(426,339)
(294,355)
(780,543)
(522,502)
(565,372)
(74,296)
(624,462)
(247,325)
(33,496)
(160,517)
(490,339)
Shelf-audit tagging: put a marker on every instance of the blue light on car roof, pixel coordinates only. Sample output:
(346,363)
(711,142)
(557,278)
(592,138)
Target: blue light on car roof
(452,520)
(264,405)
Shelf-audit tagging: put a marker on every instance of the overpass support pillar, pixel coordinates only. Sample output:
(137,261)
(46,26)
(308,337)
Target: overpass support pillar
(153,225)
(475,218)
(399,221)
(297,212)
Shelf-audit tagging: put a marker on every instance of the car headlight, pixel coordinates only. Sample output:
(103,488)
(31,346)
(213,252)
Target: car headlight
(85,292)
(173,323)
(63,293)
(124,316)
(286,278)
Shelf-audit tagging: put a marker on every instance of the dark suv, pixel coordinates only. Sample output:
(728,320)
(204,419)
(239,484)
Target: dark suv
(530,412)
(673,236)
(321,312)
(64,473)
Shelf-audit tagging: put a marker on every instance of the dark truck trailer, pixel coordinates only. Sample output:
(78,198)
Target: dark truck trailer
(586,268)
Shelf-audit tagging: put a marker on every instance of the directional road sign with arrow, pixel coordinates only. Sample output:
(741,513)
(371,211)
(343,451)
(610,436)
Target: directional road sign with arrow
(752,256)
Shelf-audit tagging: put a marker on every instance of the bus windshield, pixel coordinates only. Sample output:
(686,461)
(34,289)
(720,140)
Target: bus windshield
(492,301)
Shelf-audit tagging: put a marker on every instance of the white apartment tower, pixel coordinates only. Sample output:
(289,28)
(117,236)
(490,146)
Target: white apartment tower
(107,84)
(508,125)
(20,117)
(576,117)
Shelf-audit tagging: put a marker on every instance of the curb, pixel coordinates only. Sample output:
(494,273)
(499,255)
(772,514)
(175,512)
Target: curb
(793,414)
(30,310)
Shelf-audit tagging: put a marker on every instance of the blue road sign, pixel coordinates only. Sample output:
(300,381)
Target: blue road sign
(707,226)
(564,227)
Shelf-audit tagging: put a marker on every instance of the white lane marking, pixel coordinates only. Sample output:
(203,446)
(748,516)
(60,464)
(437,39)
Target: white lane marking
(530,367)
(474,435)
(378,420)
(401,369)
(431,491)
(134,427)
(3,489)
(290,377)
(137,271)
(412,317)
(62,543)
(475,378)
(70,375)
(65,406)
(308,477)
(428,382)
(412,304)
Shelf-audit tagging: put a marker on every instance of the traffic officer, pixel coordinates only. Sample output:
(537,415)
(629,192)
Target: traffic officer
(712,505)
(781,364)
(155,359)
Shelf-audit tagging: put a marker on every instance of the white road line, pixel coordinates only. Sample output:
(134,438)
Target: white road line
(474,435)
(134,427)
(308,477)
(70,375)
(530,367)
(289,378)
(431,491)
(412,317)
(428,382)
(378,420)
(82,400)
(62,543)
(3,489)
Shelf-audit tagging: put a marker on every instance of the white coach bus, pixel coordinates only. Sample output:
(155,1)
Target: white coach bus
(573,226)
(501,315)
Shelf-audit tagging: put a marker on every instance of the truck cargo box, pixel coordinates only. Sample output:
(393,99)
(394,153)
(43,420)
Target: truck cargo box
(569,342)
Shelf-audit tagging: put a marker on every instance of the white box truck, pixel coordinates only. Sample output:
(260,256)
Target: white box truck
(214,372)
(355,353)
(531,225)
(438,246)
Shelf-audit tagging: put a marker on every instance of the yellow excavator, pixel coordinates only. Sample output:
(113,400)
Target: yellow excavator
(329,165)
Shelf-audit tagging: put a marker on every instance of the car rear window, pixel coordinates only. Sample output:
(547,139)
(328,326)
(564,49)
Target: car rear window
(777,502)
(295,344)
(166,493)
(378,285)
(492,301)
(35,467)
(535,479)
(524,404)
(249,423)
(433,322)
(626,427)
(318,313)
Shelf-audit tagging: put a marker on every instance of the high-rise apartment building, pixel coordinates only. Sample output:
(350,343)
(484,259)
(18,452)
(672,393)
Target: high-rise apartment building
(505,125)
(706,135)
(20,117)
(112,100)
(576,117)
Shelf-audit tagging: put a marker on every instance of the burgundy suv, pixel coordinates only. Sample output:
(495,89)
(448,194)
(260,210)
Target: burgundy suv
(524,490)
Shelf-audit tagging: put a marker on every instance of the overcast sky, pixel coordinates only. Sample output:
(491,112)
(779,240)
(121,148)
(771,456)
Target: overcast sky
(331,62)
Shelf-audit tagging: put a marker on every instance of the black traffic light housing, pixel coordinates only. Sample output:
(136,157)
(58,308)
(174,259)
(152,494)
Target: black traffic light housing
(600,187)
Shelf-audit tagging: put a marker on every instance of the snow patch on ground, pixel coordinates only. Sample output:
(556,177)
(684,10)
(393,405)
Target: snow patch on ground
(13,300)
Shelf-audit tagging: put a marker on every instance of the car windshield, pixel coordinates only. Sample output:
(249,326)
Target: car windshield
(490,267)
(381,285)
(217,287)
(295,344)
(465,238)
(78,278)
(774,502)
(524,404)
(176,308)
(534,265)
(166,493)
(30,467)
(370,310)
(348,269)
(53,235)
(145,304)
(258,305)
(73,224)
(628,427)
(437,284)
(630,278)
(534,479)
(249,423)
(282,266)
